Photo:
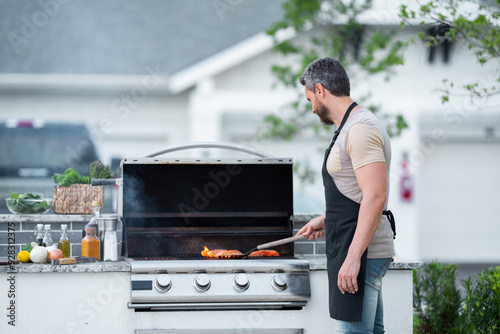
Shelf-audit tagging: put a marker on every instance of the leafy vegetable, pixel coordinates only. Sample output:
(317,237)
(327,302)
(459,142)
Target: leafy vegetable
(70,177)
(98,170)
(18,202)
(29,246)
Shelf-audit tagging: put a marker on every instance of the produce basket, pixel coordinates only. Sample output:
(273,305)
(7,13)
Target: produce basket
(77,198)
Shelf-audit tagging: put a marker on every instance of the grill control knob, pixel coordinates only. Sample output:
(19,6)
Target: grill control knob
(280,282)
(163,283)
(202,282)
(241,282)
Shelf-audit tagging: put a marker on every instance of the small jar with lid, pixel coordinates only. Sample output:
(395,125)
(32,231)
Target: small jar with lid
(91,246)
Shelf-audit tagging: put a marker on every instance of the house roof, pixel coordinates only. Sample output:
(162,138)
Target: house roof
(124,38)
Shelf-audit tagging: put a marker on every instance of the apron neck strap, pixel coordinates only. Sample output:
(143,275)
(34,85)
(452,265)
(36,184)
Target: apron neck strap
(344,119)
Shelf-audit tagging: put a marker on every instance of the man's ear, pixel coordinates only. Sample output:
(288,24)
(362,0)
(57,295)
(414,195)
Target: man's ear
(319,89)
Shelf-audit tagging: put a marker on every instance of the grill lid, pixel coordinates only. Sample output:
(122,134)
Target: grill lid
(172,207)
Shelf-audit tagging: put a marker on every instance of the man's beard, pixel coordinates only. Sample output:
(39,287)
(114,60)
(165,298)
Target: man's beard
(323,112)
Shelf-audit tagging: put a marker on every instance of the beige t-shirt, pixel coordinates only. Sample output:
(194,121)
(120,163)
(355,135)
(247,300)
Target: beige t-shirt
(362,141)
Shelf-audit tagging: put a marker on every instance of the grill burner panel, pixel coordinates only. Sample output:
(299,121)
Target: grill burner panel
(223,284)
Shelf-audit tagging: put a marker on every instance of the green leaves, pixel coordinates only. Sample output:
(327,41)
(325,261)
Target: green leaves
(336,33)
(373,62)
(22,203)
(440,308)
(285,75)
(286,47)
(279,128)
(304,171)
(437,300)
(70,177)
(29,246)
(482,303)
(98,170)
(479,28)
(297,14)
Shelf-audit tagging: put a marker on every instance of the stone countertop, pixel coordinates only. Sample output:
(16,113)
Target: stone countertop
(48,218)
(95,267)
(317,262)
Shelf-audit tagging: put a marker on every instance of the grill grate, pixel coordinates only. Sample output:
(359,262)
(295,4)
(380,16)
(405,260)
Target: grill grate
(197,257)
(152,258)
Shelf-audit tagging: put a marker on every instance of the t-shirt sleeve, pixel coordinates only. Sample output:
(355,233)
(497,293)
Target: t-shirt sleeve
(365,145)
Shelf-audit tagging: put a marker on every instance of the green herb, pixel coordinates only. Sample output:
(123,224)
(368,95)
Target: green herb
(70,177)
(19,203)
(98,170)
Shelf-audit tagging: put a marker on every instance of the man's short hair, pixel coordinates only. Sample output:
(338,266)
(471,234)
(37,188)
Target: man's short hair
(328,72)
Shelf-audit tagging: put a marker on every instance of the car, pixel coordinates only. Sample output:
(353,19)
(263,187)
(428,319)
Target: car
(31,151)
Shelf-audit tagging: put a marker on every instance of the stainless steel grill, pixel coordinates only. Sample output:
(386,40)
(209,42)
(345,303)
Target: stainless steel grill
(172,208)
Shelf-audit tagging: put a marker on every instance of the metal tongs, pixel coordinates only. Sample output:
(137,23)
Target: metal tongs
(272,244)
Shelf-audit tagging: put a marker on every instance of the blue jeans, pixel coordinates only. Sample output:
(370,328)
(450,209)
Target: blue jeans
(373,309)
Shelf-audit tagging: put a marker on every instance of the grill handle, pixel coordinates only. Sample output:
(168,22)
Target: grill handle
(221,145)
(106,182)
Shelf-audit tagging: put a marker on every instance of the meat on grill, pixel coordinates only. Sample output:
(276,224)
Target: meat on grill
(264,253)
(225,254)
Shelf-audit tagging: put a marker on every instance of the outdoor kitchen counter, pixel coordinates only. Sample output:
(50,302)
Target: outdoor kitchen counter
(90,294)
(115,266)
(318,262)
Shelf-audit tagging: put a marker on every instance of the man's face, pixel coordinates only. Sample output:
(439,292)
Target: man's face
(319,108)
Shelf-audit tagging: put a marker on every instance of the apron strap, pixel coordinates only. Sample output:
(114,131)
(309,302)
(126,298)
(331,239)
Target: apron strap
(390,217)
(344,119)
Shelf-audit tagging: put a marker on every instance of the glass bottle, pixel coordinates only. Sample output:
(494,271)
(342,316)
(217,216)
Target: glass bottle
(47,237)
(39,234)
(100,233)
(110,241)
(93,221)
(63,241)
(91,246)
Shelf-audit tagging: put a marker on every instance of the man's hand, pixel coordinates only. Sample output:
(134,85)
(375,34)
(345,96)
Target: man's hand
(348,275)
(314,225)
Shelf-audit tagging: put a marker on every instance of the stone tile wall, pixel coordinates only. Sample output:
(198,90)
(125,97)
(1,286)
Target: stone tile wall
(306,247)
(24,232)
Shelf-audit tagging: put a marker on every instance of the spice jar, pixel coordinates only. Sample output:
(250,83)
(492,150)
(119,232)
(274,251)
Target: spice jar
(91,246)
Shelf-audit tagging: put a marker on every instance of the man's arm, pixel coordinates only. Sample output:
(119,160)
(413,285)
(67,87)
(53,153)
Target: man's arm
(372,182)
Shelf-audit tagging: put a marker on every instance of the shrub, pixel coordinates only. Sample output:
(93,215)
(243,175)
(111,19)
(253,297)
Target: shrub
(482,302)
(437,301)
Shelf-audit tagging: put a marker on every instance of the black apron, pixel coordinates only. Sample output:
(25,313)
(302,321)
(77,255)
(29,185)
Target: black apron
(340,225)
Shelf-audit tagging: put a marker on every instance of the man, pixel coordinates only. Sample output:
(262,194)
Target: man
(358,231)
